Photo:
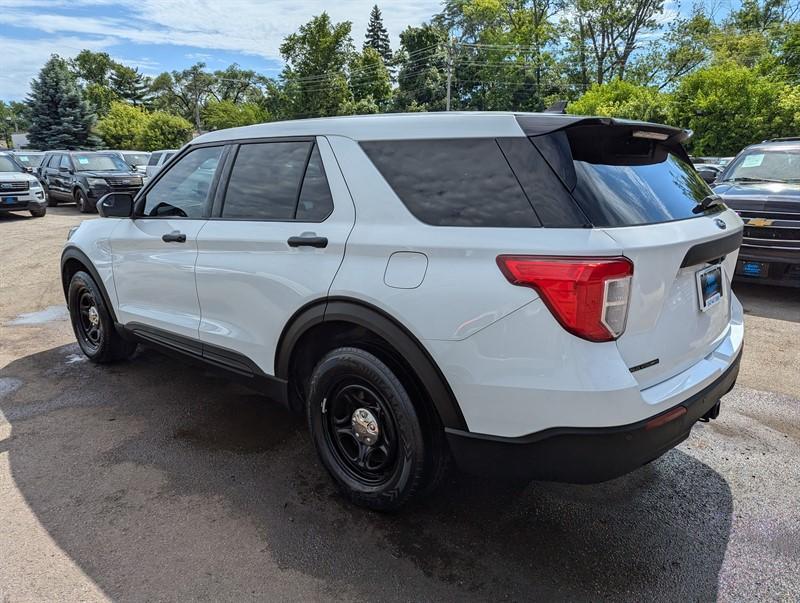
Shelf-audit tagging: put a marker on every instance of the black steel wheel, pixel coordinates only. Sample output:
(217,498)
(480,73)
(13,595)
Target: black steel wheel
(92,323)
(366,430)
(82,202)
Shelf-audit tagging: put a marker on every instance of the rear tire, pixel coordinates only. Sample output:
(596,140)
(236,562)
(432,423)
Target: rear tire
(92,323)
(392,468)
(39,213)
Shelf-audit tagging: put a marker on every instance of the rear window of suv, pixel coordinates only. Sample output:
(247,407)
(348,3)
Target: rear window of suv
(618,179)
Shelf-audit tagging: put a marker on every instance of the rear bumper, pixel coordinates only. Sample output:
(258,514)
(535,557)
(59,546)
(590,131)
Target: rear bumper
(587,454)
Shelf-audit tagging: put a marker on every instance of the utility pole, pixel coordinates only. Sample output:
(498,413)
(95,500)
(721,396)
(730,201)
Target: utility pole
(449,69)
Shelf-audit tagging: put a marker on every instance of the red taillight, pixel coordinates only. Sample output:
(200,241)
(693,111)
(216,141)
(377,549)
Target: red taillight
(588,296)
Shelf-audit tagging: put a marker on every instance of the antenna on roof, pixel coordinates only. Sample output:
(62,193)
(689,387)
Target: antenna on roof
(559,107)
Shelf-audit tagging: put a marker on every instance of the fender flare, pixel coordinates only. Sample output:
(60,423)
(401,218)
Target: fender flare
(340,309)
(73,253)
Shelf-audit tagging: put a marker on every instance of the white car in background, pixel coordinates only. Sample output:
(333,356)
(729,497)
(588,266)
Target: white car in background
(138,160)
(19,189)
(538,295)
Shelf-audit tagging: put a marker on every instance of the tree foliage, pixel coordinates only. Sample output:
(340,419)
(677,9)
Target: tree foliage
(218,115)
(122,126)
(60,116)
(619,98)
(164,131)
(377,37)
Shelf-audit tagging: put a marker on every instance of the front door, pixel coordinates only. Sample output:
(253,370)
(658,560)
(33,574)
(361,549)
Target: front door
(155,251)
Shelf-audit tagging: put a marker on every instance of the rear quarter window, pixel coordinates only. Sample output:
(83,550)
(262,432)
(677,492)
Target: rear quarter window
(453,182)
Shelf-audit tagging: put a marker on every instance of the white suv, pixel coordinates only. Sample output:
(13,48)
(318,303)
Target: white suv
(19,190)
(545,296)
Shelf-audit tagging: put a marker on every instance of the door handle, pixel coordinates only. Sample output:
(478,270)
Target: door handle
(308,241)
(174,237)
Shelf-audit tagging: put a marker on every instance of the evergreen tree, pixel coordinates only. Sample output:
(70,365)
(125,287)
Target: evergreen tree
(60,117)
(377,37)
(130,85)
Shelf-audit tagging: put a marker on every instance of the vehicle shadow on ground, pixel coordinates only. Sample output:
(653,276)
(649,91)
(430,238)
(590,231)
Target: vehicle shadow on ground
(163,482)
(780,303)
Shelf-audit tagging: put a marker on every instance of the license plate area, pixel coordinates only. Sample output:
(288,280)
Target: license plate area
(709,286)
(9,200)
(755,269)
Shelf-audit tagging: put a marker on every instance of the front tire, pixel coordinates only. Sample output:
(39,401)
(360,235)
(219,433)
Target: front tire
(366,430)
(39,212)
(92,323)
(82,202)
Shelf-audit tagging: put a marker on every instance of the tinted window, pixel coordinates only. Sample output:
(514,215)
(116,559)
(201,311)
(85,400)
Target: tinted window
(453,182)
(315,203)
(9,165)
(183,189)
(154,159)
(265,181)
(53,161)
(622,180)
(65,162)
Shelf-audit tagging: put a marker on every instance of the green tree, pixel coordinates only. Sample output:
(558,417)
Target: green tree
(422,76)
(122,126)
(184,92)
(60,117)
(92,69)
(129,85)
(218,115)
(369,78)
(314,78)
(619,98)
(164,131)
(729,106)
(377,37)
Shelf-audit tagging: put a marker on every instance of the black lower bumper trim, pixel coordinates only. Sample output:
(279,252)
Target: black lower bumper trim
(585,455)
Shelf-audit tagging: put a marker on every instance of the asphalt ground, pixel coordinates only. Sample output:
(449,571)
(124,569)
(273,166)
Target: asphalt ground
(154,480)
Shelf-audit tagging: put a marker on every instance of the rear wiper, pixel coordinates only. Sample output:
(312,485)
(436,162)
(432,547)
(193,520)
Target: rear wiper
(750,179)
(707,203)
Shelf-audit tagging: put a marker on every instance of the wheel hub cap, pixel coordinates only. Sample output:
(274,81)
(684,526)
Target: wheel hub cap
(94,317)
(365,426)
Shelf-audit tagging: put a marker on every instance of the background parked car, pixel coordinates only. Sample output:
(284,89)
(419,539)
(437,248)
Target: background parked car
(763,186)
(708,171)
(83,177)
(157,160)
(20,190)
(138,160)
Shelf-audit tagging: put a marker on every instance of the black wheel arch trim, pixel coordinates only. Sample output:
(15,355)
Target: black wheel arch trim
(73,253)
(358,312)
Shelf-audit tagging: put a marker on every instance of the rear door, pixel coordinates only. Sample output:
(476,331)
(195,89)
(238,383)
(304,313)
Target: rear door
(640,189)
(155,251)
(275,242)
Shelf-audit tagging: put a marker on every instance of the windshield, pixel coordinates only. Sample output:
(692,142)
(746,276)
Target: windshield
(100,163)
(9,165)
(29,159)
(780,165)
(136,159)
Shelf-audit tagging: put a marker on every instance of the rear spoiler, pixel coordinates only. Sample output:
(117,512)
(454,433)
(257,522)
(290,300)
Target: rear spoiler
(537,124)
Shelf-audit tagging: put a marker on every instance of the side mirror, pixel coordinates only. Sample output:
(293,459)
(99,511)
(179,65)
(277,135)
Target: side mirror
(29,169)
(708,175)
(65,170)
(115,205)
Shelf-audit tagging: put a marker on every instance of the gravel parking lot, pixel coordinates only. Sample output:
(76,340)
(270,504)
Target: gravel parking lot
(152,480)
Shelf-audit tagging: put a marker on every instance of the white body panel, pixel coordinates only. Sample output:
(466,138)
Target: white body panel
(156,280)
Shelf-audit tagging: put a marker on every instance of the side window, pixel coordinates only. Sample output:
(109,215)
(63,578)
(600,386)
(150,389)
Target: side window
(154,159)
(315,202)
(265,180)
(453,182)
(182,190)
(65,162)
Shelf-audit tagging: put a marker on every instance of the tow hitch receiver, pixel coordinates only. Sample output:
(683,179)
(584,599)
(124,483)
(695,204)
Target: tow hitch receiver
(712,413)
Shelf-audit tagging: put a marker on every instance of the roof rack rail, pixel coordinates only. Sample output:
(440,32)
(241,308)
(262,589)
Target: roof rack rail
(783,139)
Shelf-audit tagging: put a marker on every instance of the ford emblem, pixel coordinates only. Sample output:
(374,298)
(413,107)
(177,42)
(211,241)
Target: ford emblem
(720,224)
(6,185)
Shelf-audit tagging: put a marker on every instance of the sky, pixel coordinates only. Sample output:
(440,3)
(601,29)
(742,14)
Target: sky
(162,35)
